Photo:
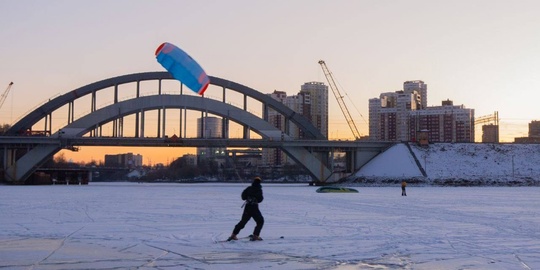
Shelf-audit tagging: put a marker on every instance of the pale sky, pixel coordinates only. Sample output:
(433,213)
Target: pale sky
(479,53)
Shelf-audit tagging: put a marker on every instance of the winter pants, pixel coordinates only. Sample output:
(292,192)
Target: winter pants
(250,211)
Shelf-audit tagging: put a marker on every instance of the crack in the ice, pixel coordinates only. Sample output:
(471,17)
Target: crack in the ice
(522,262)
(56,249)
(86,212)
(179,254)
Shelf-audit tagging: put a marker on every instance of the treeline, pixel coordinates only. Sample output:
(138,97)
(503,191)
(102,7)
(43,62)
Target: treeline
(182,169)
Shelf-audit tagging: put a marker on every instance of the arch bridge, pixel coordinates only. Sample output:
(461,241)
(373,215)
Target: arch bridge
(24,152)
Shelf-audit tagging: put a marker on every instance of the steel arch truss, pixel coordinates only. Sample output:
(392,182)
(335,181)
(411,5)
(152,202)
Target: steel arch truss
(48,108)
(23,167)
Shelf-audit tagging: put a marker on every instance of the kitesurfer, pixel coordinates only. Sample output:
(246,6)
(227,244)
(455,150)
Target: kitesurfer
(252,196)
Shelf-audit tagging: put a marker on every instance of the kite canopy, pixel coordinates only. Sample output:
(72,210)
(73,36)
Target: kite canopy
(336,190)
(182,67)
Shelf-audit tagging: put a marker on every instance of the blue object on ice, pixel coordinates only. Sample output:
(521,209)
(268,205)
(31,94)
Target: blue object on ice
(336,190)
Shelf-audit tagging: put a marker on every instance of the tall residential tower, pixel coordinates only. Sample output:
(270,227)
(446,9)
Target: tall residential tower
(311,102)
(208,128)
(318,114)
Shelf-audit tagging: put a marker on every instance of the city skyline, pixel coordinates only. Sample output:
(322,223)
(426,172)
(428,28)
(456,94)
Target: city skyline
(481,54)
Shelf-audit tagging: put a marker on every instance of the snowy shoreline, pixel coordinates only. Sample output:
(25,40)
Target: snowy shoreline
(381,182)
(454,164)
(453,182)
(441,164)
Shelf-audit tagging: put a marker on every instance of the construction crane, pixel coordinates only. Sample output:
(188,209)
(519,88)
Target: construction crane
(5,94)
(491,119)
(490,127)
(339,99)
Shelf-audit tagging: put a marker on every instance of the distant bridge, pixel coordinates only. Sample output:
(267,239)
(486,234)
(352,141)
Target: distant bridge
(23,153)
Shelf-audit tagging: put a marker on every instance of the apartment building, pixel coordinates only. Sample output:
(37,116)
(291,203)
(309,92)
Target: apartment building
(210,127)
(401,115)
(311,102)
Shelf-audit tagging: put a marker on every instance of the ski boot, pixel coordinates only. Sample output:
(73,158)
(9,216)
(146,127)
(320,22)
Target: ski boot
(255,238)
(232,237)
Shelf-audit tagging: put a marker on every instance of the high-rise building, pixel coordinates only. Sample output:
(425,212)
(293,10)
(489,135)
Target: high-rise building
(534,129)
(445,123)
(318,113)
(420,87)
(389,115)
(273,156)
(401,115)
(210,127)
(311,102)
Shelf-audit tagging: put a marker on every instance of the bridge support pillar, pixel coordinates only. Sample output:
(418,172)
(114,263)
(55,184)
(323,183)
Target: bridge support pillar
(362,156)
(19,170)
(312,162)
(9,161)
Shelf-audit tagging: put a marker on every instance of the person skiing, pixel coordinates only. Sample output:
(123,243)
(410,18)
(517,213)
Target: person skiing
(252,196)
(403,186)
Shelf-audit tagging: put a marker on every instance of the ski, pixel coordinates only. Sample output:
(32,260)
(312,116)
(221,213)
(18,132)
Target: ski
(245,238)
(227,240)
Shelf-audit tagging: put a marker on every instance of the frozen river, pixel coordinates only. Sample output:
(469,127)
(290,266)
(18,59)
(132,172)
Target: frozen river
(175,226)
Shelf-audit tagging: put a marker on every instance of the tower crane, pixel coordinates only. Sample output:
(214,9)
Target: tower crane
(339,99)
(492,119)
(5,94)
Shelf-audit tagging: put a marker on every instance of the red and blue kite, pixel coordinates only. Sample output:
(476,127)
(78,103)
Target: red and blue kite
(182,67)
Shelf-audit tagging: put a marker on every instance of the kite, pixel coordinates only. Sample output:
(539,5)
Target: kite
(182,67)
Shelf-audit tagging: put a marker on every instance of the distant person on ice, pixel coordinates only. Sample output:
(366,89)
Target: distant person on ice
(252,196)
(403,186)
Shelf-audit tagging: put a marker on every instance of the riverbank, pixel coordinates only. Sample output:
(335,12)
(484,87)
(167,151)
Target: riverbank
(454,164)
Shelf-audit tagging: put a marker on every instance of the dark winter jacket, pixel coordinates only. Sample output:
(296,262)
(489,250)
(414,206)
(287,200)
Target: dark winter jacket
(253,194)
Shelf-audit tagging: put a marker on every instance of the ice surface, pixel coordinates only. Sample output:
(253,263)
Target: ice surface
(175,226)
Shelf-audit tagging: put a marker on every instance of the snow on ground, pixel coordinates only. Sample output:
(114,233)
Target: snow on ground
(395,162)
(174,226)
(458,163)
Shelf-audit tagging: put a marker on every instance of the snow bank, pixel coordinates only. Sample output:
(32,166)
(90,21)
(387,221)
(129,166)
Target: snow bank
(396,162)
(455,164)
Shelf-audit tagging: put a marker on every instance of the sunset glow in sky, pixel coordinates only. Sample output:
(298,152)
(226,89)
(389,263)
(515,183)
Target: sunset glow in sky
(482,54)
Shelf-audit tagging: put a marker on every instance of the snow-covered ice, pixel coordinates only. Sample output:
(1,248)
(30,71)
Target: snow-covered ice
(175,226)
